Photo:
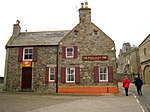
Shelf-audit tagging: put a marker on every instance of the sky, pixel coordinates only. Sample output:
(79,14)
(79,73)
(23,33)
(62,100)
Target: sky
(122,20)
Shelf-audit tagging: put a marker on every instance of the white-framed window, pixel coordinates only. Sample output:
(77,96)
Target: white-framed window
(27,54)
(52,74)
(95,32)
(69,52)
(75,33)
(70,74)
(103,73)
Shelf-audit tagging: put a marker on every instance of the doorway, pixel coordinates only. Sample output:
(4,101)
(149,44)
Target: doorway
(26,82)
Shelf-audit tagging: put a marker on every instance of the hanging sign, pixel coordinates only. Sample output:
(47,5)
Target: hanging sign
(94,58)
(26,64)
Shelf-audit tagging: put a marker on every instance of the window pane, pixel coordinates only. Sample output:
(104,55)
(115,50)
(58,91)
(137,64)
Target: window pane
(28,53)
(30,50)
(52,73)
(30,56)
(102,76)
(103,73)
(69,51)
(72,78)
(71,74)
(26,50)
(51,77)
(68,70)
(68,77)
(52,70)
(72,71)
(103,70)
(26,57)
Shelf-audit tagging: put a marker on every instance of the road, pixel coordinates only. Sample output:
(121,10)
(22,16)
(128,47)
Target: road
(33,102)
(145,98)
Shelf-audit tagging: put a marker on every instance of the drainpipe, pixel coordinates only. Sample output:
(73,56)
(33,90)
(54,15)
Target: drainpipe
(5,72)
(57,70)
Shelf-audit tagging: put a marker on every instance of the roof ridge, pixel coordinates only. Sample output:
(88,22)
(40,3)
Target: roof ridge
(46,31)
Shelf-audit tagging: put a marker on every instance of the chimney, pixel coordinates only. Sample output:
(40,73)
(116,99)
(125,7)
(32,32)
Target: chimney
(86,4)
(85,13)
(16,28)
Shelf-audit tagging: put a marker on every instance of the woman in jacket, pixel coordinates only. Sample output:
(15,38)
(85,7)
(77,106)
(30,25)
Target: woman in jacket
(138,84)
(126,83)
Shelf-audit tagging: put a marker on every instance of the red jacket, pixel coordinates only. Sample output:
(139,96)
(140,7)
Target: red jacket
(126,82)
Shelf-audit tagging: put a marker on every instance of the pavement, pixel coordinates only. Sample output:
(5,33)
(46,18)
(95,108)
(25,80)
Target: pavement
(103,103)
(25,102)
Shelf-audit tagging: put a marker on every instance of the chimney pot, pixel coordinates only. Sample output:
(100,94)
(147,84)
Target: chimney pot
(86,4)
(17,22)
(82,5)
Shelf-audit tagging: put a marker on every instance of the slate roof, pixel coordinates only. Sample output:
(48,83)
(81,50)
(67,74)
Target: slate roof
(37,38)
(145,40)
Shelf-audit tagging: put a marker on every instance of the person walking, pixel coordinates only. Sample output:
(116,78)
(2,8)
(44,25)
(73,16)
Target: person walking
(139,84)
(126,83)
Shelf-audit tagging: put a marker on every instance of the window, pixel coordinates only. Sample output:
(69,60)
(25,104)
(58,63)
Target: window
(95,32)
(103,74)
(51,74)
(70,74)
(28,54)
(69,52)
(75,33)
(144,51)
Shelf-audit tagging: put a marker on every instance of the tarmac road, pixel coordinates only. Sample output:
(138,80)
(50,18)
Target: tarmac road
(31,102)
(145,98)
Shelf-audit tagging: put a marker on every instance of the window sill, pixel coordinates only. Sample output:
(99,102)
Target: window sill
(103,81)
(51,81)
(70,82)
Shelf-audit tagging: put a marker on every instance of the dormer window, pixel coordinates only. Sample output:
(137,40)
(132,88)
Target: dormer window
(144,51)
(95,32)
(75,33)
(69,52)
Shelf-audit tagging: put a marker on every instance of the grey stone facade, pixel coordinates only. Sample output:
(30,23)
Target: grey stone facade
(46,57)
(88,45)
(144,49)
(86,39)
(129,61)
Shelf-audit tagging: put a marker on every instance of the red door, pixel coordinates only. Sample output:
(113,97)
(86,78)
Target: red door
(26,78)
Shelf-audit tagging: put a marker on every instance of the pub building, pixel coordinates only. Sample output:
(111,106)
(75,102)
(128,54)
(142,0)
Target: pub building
(81,60)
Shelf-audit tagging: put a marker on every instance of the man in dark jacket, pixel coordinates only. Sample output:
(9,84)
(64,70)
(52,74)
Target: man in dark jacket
(138,84)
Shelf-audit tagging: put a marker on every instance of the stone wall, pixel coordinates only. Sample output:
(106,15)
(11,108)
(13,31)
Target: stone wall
(129,62)
(144,51)
(119,77)
(46,56)
(1,79)
(88,45)
(13,75)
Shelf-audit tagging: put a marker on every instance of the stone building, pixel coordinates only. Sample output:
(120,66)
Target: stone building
(144,50)
(129,61)
(82,60)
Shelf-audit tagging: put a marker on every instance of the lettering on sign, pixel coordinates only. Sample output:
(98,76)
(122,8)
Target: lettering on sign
(26,64)
(95,58)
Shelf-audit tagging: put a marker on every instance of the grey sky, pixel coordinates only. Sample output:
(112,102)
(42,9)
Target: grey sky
(122,20)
